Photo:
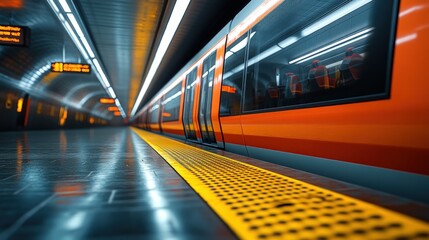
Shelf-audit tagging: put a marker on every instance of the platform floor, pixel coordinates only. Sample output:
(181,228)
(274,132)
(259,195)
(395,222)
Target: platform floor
(98,183)
(109,183)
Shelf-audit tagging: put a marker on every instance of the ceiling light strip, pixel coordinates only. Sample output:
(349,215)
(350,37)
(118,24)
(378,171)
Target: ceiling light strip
(332,45)
(83,45)
(350,7)
(173,23)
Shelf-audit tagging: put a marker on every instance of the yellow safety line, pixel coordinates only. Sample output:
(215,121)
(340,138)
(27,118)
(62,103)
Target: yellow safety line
(259,204)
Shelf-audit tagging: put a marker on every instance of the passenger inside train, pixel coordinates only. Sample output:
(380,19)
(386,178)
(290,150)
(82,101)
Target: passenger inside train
(295,86)
(317,77)
(350,67)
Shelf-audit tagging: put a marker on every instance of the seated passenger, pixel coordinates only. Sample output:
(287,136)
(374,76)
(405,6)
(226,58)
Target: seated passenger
(350,67)
(295,85)
(318,78)
(272,95)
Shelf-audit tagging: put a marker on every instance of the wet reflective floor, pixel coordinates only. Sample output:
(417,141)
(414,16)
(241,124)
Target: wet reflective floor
(96,183)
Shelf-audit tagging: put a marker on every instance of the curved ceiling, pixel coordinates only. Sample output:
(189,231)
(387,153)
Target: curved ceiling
(124,34)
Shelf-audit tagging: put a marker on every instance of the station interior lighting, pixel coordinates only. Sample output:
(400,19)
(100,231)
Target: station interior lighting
(172,25)
(77,32)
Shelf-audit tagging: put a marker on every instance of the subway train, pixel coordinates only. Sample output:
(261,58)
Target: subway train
(337,88)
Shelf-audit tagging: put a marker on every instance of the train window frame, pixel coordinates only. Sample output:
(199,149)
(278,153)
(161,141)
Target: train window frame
(169,97)
(386,32)
(236,48)
(155,107)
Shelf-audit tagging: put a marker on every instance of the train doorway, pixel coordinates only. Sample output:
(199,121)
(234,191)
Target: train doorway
(206,96)
(188,110)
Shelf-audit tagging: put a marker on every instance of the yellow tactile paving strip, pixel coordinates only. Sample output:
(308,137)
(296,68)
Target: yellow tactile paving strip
(259,204)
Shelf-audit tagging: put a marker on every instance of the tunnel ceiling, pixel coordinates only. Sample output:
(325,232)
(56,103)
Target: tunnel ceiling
(125,33)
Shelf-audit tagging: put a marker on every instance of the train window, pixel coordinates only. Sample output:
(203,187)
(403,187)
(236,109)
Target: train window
(171,104)
(311,53)
(233,77)
(154,113)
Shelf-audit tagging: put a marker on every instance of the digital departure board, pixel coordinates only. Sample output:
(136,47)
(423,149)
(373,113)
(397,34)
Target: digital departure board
(11,4)
(113,109)
(107,100)
(70,67)
(14,35)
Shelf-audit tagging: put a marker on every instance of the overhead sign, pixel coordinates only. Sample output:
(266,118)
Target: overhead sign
(11,4)
(70,67)
(113,109)
(107,100)
(14,35)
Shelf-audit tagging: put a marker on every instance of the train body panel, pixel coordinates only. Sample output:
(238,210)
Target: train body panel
(339,99)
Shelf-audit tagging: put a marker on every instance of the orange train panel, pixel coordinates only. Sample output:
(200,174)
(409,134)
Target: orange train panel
(154,127)
(232,131)
(391,133)
(175,128)
(217,86)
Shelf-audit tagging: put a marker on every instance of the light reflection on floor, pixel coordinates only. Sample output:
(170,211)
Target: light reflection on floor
(95,183)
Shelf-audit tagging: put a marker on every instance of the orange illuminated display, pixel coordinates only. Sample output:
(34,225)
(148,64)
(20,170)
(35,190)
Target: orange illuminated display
(11,4)
(113,109)
(14,35)
(19,105)
(107,100)
(63,115)
(70,67)
(117,113)
(166,114)
(229,89)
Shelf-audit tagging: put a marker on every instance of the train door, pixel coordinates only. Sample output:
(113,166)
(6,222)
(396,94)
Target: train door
(188,110)
(205,106)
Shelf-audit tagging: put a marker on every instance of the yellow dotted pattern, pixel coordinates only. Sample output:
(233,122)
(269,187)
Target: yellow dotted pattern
(259,204)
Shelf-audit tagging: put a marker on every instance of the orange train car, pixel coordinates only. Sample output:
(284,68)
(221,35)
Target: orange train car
(337,88)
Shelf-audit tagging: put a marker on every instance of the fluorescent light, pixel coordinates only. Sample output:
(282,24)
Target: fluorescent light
(270,51)
(233,71)
(172,97)
(101,73)
(61,17)
(336,47)
(175,19)
(54,6)
(341,12)
(112,93)
(264,55)
(75,24)
(228,54)
(287,42)
(65,6)
(117,103)
(241,44)
(87,47)
(97,65)
(75,40)
(332,45)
